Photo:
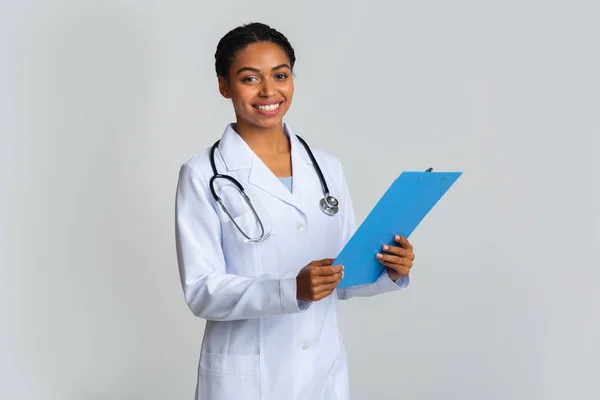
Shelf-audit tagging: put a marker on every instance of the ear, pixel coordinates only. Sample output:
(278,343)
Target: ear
(224,87)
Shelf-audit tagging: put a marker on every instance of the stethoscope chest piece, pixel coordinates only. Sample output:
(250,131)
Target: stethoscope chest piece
(329,205)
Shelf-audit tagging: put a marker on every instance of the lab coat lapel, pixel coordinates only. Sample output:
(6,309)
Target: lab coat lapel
(304,175)
(262,177)
(238,155)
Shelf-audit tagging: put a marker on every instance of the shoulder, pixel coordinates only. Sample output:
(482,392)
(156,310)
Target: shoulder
(324,158)
(332,169)
(327,160)
(198,165)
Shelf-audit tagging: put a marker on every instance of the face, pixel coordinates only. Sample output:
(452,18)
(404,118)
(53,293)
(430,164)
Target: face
(260,85)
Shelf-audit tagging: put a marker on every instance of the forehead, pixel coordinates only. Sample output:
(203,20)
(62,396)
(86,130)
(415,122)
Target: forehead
(260,55)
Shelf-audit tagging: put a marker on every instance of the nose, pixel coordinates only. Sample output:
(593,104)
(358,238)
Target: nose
(267,89)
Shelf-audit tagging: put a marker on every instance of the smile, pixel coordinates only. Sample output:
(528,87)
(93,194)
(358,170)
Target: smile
(269,107)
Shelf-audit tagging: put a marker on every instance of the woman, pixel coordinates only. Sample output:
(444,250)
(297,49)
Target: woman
(271,304)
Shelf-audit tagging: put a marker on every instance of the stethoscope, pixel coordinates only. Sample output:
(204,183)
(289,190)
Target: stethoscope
(328,204)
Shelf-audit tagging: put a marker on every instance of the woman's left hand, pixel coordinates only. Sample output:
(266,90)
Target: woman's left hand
(399,259)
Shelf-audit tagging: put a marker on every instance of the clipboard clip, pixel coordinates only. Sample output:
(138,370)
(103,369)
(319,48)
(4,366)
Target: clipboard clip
(431,169)
(427,170)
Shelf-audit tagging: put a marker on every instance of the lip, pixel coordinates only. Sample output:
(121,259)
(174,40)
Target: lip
(266,103)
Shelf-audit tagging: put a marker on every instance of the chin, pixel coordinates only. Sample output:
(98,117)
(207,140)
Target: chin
(271,123)
(263,123)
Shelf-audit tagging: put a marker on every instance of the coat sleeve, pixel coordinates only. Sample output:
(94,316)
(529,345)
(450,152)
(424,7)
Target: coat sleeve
(209,291)
(383,284)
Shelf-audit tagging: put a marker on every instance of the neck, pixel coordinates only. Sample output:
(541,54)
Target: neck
(264,141)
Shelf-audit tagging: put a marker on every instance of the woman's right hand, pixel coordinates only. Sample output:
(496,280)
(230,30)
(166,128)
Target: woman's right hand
(318,280)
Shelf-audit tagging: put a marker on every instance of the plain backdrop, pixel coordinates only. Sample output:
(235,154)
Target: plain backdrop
(102,101)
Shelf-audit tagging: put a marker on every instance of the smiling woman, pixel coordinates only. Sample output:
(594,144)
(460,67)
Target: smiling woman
(254,249)
(260,78)
(259,82)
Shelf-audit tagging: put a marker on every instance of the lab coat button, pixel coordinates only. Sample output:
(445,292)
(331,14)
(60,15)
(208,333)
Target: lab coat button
(305,346)
(300,226)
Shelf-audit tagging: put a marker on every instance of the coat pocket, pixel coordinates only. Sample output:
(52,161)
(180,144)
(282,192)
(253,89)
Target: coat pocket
(228,376)
(243,221)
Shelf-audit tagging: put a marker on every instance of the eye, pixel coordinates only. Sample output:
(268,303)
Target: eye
(281,76)
(250,79)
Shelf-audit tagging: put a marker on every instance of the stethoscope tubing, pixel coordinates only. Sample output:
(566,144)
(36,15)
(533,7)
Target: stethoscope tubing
(329,204)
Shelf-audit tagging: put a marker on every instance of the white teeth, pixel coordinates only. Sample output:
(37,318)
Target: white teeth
(270,107)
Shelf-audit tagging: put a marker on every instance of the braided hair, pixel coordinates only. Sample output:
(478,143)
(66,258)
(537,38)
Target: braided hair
(240,37)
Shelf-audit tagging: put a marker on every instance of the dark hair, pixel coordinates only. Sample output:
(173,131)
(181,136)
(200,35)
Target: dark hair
(240,37)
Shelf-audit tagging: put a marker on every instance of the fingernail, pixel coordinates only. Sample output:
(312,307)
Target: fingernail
(397,237)
(379,256)
(342,274)
(342,267)
(385,247)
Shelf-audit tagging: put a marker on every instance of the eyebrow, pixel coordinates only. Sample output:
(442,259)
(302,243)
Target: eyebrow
(258,71)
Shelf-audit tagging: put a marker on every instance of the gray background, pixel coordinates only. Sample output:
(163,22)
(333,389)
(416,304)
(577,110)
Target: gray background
(101,102)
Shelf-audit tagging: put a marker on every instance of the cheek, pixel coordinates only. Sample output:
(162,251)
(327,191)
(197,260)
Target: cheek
(289,91)
(242,96)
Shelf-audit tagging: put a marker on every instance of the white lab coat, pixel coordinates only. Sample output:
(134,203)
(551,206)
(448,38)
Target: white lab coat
(260,342)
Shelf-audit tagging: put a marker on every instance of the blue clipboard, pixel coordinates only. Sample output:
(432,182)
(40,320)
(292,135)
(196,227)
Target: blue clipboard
(399,211)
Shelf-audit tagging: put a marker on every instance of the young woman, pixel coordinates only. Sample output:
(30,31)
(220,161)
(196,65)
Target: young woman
(259,270)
